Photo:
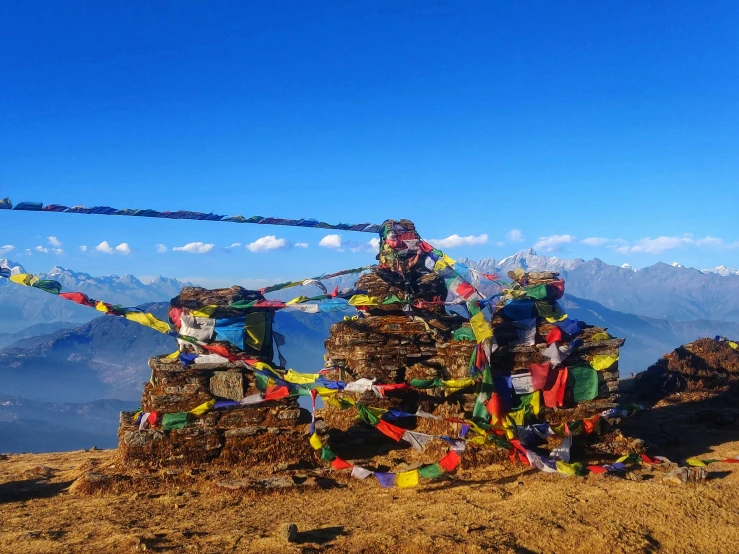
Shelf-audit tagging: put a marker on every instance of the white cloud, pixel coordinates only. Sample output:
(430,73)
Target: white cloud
(161,248)
(302,245)
(454,241)
(194,248)
(374,243)
(123,248)
(7,249)
(55,242)
(514,235)
(83,248)
(709,241)
(270,242)
(57,251)
(331,241)
(104,247)
(659,245)
(553,242)
(594,241)
(28,252)
(42,249)
(235,245)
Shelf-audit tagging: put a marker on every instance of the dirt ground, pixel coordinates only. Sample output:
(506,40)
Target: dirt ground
(505,508)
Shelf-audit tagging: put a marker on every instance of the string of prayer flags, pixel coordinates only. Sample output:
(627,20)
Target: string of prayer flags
(6,204)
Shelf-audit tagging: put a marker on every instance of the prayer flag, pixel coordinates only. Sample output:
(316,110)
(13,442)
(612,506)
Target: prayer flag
(407,479)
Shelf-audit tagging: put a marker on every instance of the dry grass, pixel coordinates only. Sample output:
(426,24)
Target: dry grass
(501,509)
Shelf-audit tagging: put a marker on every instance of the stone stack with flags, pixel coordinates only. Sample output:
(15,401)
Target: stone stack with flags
(209,401)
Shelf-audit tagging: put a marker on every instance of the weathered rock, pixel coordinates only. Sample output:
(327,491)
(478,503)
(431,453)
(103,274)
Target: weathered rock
(227,384)
(289,532)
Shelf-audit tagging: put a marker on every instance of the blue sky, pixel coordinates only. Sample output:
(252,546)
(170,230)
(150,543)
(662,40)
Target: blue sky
(564,121)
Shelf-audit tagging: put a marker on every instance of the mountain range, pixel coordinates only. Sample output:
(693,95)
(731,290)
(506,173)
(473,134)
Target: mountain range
(660,291)
(59,357)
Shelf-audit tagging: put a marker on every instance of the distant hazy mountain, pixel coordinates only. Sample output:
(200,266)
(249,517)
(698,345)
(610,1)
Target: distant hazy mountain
(23,306)
(29,426)
(35,330)
(660,291)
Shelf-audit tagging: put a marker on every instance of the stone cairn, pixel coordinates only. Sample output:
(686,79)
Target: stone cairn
(395,345)
(264,434)
(412,337)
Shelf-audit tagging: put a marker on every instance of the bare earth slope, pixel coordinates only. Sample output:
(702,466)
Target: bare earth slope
(506,509)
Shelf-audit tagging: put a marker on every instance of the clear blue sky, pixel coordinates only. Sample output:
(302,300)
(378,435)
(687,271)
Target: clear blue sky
(572,120)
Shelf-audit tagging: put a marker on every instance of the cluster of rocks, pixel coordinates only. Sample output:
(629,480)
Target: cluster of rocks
(249,435)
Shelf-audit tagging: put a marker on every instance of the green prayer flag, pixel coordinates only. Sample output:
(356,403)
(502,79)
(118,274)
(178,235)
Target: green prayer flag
(431,472)
(177,420)
(392,299)
(426,383)
(327,455)
(367,416)
(537,292)
(47,285)
(480,411)
(545,309)
(243,304)
(463,333)
(584,382)
(261,382)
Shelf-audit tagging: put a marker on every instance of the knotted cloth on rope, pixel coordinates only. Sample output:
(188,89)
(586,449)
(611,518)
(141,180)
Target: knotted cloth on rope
(6,204)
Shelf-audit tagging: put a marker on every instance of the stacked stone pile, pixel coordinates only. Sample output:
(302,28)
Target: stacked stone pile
(231,433)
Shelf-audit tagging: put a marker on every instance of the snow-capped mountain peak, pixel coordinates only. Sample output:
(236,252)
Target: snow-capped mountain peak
(722,270)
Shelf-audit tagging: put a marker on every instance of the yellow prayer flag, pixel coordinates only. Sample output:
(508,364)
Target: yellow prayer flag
(324,393)
(296,378)
(600,336)
(480,327)
(174,355)
(622,459)
(100,307)
(535,402)
(149,320)
(24,279)
(695,462)
(297,300)
(407,479)
(206,311)
(364,300)
(565,469)
(315,442)
(602,361)
(135,417)
(733,345)
(455,385)
(444,261)
(557,319)
(204,408)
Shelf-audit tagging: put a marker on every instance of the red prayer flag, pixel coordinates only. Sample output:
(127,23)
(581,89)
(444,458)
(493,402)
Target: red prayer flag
(589,424)
(540,375)
(450,461)
(465,290)
(220,350)
(276,392)
(425,246)
(597,469)
(554,395)
(649,460)
(153,418)
(78,297)
(335,293)
(392,431)
(555,289)
(495,407)
(555,335)
(338,464)
(731,461)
